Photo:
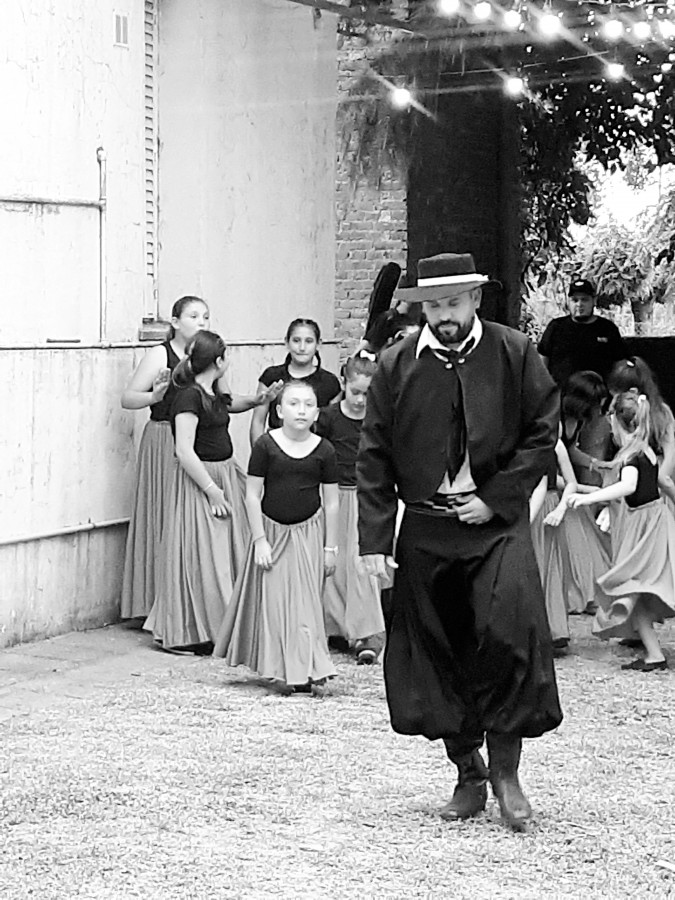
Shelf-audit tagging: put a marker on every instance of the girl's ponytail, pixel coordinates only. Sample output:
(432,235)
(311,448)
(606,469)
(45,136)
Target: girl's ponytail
(643,419)
(183,374)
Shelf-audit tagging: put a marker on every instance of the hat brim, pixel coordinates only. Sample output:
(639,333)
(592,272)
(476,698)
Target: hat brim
(459,285)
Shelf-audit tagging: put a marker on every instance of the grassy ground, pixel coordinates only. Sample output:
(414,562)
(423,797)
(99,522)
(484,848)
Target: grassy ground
(192,781)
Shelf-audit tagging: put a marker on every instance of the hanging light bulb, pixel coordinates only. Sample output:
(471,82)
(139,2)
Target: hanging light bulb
(550,24)
(401,98)
(612,29)
(448,7)
(615,71)
(642,30)
(514,86)
(666,67)
(482,11)
(667,28)
(512,19)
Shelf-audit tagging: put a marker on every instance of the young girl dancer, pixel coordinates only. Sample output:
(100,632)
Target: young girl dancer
(547,510)
(151,385)
(302,363)
(639,588)
(274,625)
(588,548)
(204,542)
(351,599)
(635,373)
(587,431)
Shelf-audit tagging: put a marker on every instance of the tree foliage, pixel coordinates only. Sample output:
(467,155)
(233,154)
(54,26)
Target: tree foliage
(569,109)
(619,261)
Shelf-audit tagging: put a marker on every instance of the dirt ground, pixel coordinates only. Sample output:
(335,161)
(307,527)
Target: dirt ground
(126,772)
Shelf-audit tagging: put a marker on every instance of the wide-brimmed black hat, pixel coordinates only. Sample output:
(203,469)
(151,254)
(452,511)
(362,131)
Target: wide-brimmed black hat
(444,275)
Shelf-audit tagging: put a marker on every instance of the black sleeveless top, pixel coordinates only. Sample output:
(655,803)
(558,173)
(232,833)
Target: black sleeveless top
(161,411)
(647,488)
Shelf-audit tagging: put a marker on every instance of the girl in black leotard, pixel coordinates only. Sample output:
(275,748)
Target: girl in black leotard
(274,625)
(587,548)
(639,588)
(302,363)
(205,535)
(150,386)
(351,598)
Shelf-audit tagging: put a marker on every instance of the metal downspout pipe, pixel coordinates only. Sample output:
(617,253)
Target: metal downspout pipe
(102,248)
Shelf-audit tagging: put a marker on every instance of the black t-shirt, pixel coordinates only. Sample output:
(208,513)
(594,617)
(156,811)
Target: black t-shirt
(212,438)
(344,434)
(161,411)
(325,384)
(648,481)
(292,486)
(575,347)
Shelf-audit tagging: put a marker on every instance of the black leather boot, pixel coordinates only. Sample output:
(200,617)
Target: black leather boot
(470,794)
(504,756)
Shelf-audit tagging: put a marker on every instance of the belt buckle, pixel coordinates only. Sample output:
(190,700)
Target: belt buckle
(445,506)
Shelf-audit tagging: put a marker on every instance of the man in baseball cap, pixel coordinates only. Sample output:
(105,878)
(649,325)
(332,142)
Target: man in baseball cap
(581,340)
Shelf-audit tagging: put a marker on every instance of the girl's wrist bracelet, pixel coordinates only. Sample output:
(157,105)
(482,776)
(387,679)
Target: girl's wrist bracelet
(331,550)
(261,537)
(210,484)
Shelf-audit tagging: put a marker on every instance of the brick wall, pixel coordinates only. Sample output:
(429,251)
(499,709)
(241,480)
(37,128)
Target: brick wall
(371,220)
(461,195)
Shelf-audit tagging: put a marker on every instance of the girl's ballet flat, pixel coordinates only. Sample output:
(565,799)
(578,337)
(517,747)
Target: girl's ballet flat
(639,665)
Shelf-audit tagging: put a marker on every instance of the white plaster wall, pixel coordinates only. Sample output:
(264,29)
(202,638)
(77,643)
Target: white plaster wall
(247,129)
(66,90)
(247,219)
(68,453)
(62,584)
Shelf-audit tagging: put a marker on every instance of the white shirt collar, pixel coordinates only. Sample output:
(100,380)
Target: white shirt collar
(428,339)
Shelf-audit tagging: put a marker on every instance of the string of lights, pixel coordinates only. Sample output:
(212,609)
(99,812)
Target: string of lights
(631,42)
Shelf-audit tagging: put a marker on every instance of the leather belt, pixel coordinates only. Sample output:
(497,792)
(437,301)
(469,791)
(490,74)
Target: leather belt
(438,505)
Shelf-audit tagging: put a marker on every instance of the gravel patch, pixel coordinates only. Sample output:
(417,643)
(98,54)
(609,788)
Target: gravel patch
(198,781)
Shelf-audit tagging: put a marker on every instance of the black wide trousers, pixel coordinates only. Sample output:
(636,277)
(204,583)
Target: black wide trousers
(468,644)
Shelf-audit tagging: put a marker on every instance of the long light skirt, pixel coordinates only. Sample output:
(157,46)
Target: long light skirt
(550,551)
(588,556)
(644,570)
(351,599)
(200,558)
(274,625)
(152,494)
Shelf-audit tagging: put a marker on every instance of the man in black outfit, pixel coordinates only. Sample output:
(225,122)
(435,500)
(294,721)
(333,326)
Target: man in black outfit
(581,340)
(461,422)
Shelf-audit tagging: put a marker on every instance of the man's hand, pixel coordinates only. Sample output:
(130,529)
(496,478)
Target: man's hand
(377,564)
(472,511)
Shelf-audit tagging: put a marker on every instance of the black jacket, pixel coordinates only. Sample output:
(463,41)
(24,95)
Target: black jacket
(511,407)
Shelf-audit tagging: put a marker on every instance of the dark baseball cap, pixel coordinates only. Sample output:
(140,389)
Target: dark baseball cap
(582,286)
